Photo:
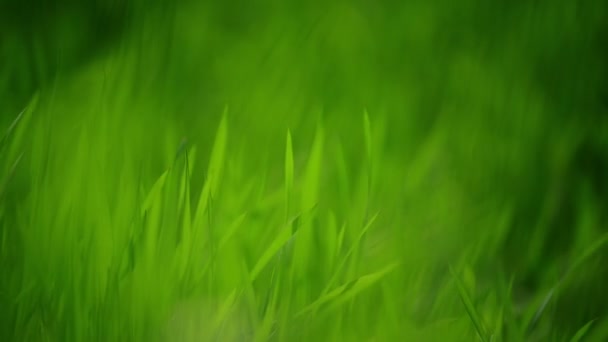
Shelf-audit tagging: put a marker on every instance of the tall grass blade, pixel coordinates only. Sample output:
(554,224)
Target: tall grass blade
(216,164)
(470,308)
(283,236)
(288,174)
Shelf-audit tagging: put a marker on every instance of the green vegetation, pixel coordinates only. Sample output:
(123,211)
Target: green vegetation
(302,171)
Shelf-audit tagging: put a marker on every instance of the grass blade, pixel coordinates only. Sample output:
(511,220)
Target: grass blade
(350,251)
(367,130)
(216,164)
(288,174)
(7,178)
(582,332)
(348,291)
(21,117)
(284,235)
(154,193)
(470,308)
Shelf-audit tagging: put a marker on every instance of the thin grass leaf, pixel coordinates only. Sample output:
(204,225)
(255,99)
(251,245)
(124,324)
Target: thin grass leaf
(21,117)
(470,308)
(283,236)
(582,332)
(303,253)
(224,310)
(182,149)
(599,243)
(533,317)
(364,282)
(4,236)
(11,128)
(367,130)
(350,251)
(216,164)
(154,193)
(323,299)
(288,174)
(7,178)
(312,177)
(264,331)
(270,309)
(185,240)
(340,295)
(330,236)
(231,230)
(340,239)
(599,331)
(341,166)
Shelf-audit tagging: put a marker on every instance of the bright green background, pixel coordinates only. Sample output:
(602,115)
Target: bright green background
(303,170)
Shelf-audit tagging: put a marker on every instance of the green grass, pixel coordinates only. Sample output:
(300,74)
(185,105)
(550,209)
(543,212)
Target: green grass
(285,173)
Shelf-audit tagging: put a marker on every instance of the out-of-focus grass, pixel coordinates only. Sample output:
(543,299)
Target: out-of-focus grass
(301,171)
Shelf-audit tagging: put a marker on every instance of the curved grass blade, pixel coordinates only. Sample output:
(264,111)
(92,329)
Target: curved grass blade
(350,251)
(470,308)
(582,332)
(599,243)
(11,171)
(231,230)
(21,117)
(535,316)
(284,235)
(346,292)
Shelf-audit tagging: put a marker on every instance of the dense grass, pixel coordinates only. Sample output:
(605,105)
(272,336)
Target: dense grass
(304,171)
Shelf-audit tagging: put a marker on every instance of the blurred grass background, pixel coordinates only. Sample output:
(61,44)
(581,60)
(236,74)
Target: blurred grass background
(347,170)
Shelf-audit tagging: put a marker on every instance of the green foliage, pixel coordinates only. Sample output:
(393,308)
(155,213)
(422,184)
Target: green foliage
(441,177)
